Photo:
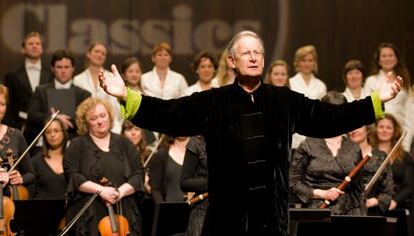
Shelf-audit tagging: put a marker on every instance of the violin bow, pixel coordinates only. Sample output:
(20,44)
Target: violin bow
(384,164)
(79,214)
(153,152)
(54,115)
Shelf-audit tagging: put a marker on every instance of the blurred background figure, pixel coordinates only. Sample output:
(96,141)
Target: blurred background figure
(131,71)
(387,59)
(278,74)
(161,81)
(204,66)
(354,76)
(23,82)
(61,94)
(225,74)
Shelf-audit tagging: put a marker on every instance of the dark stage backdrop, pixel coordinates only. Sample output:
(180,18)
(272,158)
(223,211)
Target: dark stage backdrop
(340,29)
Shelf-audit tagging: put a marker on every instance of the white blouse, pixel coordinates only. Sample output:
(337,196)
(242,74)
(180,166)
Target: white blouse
(394,106)
(174,86)
(350,97)
(197,88)
(316,89)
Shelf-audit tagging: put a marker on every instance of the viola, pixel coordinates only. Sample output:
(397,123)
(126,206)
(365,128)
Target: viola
(112,224)
(6,214)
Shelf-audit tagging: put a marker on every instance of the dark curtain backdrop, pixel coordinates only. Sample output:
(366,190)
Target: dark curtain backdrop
(340,29)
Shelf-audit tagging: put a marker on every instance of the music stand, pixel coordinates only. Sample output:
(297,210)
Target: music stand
(170,218)
(38,217)
(345,226)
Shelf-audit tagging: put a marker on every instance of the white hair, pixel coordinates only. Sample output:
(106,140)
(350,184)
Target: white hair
(231,47)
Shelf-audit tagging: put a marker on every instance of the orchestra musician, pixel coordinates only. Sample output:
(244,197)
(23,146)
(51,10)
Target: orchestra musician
(12,139)
(99,153)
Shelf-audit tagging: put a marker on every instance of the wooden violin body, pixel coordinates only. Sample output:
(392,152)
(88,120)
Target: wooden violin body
(18,192)
(112,224)
(6,214)
(105,226)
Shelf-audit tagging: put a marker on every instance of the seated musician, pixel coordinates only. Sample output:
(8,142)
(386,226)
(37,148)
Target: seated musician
(12,140)
(320,165)
(96,154)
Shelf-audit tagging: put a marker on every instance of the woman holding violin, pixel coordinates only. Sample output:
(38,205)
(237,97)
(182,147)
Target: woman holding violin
(12,142)
(99,154)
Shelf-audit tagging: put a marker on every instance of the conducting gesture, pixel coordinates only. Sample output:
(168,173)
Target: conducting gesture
(113,84)
(391,86)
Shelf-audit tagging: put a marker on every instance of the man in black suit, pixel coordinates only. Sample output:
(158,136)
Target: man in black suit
(23,81)
(60,94)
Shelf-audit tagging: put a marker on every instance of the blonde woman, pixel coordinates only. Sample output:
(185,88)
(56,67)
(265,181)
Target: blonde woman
(225,74)
(278,74)
(305,82)
(306,67)
(96,154)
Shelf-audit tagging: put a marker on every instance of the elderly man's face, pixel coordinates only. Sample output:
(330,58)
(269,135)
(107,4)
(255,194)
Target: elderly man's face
(249,59)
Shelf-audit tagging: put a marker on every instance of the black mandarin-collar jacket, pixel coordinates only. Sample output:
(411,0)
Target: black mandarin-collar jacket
(242,130)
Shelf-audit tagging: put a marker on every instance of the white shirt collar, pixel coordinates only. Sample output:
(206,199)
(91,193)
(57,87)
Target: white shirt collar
(58,85)
(36,66)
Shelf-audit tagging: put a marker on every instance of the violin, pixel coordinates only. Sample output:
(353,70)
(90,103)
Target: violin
(18,192)
(6,214)
(112,224)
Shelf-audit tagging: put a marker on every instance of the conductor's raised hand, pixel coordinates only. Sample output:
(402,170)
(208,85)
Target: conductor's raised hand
(390,87)
(112,83)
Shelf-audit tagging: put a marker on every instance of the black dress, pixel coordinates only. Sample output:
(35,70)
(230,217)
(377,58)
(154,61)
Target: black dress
(194,179)
(84,161)
(48,184)
(165,175)
(248,139)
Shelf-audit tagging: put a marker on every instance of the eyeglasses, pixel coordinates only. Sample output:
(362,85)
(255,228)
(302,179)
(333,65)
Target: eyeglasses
(50,131)
(250,54)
